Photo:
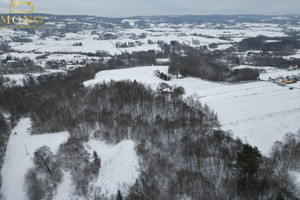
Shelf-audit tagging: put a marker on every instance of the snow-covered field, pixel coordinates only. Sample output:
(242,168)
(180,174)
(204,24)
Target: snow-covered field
(119,170)
(257,112)
(204,34)
(19,154)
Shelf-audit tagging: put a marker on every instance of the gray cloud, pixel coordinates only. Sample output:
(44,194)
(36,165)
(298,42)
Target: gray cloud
(125,8)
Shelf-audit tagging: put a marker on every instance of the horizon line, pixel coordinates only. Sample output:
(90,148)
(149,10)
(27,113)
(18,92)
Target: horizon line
(165,15)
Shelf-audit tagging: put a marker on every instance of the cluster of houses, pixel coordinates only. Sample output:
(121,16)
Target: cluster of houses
(128,44)
(67,64)
(168,76)
(293,67)
(259,53)
(284,80)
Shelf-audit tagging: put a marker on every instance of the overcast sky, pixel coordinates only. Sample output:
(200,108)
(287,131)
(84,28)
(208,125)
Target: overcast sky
(127,8)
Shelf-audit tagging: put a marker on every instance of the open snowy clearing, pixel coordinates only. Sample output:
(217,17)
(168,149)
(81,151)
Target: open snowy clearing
(119,165)
(19,154)
(119,170)
(257,112)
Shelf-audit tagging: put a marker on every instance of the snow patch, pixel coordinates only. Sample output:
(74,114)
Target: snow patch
(65,189)
(140,74)
(119,165)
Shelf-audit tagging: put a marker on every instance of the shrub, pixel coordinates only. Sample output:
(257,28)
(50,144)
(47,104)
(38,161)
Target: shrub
(245,74)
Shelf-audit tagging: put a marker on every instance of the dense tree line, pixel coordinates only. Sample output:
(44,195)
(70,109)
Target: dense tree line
(245,74)
(287,152)
(125,60)
(4,135)
(18,66)
(201,62)
(4,47)
(271,51)
(268,60)
(216,65)
(278,45)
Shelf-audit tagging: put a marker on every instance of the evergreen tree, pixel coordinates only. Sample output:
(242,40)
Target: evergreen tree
(248,161)
(96,164)
(96,157)
(119,195)
(136,192)
(279,197)
(2,196)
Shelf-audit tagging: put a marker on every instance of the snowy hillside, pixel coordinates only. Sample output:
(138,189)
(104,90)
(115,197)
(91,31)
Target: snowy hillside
(257,112)
(20,150)
(64,138)
(119,170)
